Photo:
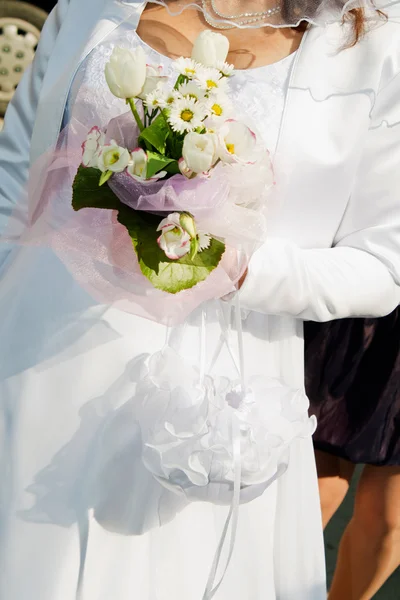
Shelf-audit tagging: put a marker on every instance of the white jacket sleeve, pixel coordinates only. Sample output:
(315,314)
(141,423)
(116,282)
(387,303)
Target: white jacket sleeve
(18,126)
(360,275)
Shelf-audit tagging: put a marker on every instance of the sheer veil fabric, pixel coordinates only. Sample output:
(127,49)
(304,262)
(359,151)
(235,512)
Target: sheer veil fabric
(288,13)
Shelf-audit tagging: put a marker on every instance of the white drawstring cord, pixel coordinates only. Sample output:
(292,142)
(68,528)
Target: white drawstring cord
(233,515)
(232,519)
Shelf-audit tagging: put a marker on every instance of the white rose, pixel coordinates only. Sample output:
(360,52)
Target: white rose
(199,152)
(126,72)
(91,147)
(174,240)
(237,142)
(113,158)
(210,48)
(154,78)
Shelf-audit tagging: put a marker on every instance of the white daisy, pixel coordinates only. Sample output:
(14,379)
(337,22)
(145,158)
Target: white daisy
(168,97)
(220,107)
(225,68)
(204,240)
(191,90)
(186,115)
(211,80)
(187,67)
(155,98)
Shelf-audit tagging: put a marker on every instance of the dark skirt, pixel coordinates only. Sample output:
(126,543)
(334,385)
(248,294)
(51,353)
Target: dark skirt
(353,382)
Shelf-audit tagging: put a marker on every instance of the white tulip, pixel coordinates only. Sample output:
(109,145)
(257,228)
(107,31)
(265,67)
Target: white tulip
(154,78)
(199,152)
(126,72)
(113,158)
(237,142)
(174,240)
(210,48)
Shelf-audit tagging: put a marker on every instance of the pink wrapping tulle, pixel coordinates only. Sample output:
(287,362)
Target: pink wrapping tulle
(98,251)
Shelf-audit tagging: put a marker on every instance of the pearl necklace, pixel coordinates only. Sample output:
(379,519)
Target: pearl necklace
(246,18)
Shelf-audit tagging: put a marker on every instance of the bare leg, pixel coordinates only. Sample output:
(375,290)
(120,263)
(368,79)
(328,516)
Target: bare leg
(370,548)
(334,476)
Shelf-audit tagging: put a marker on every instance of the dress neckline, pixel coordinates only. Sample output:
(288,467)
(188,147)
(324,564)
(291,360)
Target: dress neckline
(287,59)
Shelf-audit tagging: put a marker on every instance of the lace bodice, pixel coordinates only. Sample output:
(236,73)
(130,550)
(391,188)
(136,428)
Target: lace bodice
(258,93)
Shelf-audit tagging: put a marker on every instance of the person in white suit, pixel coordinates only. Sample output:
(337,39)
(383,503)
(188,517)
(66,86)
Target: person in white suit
(81,515)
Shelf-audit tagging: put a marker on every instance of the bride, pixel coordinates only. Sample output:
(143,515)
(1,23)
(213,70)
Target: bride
(83,513)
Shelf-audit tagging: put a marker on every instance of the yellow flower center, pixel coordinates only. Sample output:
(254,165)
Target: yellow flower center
(114,158)
(217,109)
(231,148)
(211,84)
(190,71)
(187,115)
(170,100)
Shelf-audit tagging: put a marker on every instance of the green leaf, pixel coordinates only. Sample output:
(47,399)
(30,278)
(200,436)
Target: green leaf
(173,168)
(86,192)
(175,145)
(182,274)
(105,177)
(156,163)
(165,274)
(156,134)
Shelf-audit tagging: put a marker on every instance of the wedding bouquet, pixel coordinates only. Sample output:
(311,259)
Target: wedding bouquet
(185,175)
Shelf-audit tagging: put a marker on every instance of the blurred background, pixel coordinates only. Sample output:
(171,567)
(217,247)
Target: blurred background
(20,26)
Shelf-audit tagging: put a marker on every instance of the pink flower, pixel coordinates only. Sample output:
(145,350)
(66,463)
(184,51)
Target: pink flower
(174,240)
(154,77)
(237,142)
(92,146)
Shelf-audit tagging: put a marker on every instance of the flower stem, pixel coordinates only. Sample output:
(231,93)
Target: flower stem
(164,114)
(181,79)
(135,113)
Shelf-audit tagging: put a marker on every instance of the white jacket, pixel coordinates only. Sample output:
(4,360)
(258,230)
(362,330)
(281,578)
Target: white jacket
(338,153)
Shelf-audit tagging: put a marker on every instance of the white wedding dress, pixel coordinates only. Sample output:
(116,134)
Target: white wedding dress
(74,492)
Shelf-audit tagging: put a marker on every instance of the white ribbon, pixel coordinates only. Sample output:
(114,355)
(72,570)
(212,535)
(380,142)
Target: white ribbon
(232,518)
(233,515)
